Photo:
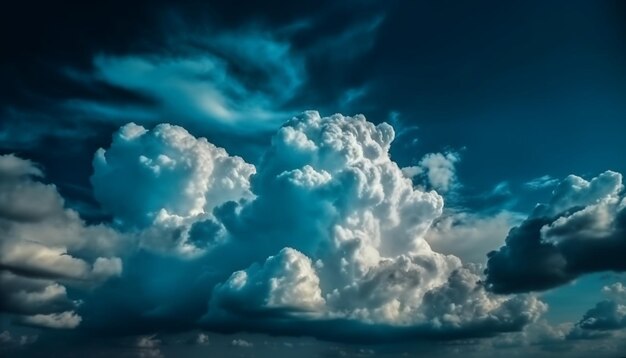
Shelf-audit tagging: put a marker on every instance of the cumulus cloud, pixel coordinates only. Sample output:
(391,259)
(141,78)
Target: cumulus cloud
(435,170)
(326,236)
(607,315)
(349,228)
(285,281)
(45,247)
(164,180)
(439,169)
(564,238)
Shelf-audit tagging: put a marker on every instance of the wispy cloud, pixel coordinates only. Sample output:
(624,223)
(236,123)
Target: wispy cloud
(241,79)
(541,182)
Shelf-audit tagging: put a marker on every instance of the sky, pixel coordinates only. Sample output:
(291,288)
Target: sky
(321,178)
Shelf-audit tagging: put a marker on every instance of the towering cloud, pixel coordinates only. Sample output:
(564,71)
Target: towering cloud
(582,229)
(349,230)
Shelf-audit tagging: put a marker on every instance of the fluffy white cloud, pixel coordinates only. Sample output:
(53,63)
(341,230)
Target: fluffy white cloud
(574,191)
(285,281)
(328,188)
(166,169)
(45,247)
(168,179)
(439,170)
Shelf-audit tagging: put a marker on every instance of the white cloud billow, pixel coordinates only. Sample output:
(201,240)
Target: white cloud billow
(328,189)
(439,169)
(285,281)
(164,180)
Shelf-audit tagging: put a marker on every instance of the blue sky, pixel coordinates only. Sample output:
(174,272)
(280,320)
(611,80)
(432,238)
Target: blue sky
(340,179)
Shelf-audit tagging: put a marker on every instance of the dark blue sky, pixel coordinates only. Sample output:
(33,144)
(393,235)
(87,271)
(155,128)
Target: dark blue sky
(494,104)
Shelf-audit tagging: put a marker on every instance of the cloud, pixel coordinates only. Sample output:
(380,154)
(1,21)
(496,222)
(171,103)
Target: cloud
(607,315)
(470,235)
(148,347)
(435,170)
(241,343)
(349,229)
(9,340)
(325,237)
(45,247)
(240,80)
(202,339)
(541,182)
(63,320)
(168,179)
(582,221)
(616,290)
(285,281)
(541,334)
(439,169)
(26,295)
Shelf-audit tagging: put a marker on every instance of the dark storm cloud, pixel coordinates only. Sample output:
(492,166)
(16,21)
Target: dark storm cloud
(581,230)
(606,315)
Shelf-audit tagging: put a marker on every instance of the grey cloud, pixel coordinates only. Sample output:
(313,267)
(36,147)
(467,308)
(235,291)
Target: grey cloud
(607,315)
(563,239)
(61,320)
(241,343)
(45,247)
